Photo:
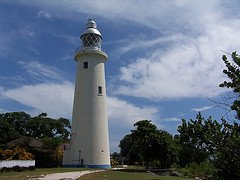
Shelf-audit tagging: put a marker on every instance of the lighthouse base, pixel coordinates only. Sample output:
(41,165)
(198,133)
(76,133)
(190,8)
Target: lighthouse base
(96,166)
(68,163)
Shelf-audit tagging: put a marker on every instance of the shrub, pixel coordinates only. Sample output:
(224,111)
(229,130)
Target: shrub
(57,157)
(48,158)
(15,153)
(155,164)
(228,158)
(114,162)
(202,170)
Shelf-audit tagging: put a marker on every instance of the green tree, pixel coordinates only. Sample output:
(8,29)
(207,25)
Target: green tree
(13,125)
(202,140)
(165,150)
(128,151)
(233,73)
(42,127)
(189,145)
(147,144)
(199,140)
(227,158)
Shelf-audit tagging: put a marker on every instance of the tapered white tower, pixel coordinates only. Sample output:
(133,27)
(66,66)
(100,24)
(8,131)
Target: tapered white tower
(89,144)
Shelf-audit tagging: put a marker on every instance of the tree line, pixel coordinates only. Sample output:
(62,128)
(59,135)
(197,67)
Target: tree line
(213,145)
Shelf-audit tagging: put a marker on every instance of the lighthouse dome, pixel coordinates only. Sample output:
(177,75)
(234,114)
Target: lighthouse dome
(91,28)
(91,38)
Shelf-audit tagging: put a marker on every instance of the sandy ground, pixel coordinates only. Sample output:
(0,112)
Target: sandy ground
(66,175)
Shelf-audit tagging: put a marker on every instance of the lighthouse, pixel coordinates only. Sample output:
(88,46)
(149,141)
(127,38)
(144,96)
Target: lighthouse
(89,141)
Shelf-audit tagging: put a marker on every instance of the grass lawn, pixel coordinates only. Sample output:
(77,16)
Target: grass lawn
(112,175)
(35,173)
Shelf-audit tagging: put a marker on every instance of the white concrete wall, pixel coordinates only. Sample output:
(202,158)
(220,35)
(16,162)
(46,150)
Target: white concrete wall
(20,163)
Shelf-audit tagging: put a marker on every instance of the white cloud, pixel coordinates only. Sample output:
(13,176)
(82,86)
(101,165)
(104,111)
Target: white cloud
(172,119)
(2,97)
(27,33)
(202,108)
(182,70)
(189,69)
(44,14)
(41,72)
(5,42)
(54,99)
(158,14)
(144,42)
(9,39)
(124,114)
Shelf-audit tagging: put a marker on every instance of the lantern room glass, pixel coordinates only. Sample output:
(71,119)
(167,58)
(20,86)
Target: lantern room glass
(91,40)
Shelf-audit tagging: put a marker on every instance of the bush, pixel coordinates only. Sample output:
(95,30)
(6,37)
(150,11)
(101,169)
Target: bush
(155,164)
(15,153)
(114,162)
(48,158)
(228,158)
(57,157)
(202,170)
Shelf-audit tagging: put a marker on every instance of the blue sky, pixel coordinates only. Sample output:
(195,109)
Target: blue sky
(164,57)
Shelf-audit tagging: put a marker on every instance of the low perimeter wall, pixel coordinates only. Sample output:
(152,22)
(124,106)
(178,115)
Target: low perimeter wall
(20,163)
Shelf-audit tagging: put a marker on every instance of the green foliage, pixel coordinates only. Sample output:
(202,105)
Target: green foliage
(17,124)
(203,170)
(207,140)
(51,143)
(128,150)
(41,127)
(12,126)
(233,73)
(146,144)
(198,140)
(228,153)
(227,157)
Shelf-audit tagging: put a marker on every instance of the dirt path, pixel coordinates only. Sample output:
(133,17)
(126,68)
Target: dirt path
(66,175)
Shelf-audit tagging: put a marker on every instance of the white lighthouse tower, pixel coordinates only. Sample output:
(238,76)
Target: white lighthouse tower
(89,143)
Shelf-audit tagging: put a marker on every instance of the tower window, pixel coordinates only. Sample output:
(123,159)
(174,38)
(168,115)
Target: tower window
(85,65)
(100,92)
